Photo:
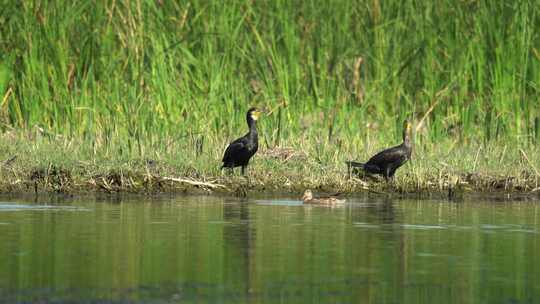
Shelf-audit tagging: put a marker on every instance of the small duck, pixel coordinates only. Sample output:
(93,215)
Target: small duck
(308,198)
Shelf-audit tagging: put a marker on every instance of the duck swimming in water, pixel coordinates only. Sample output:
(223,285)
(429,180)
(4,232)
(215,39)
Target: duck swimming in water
(240,151)
(308,198)
(386,162)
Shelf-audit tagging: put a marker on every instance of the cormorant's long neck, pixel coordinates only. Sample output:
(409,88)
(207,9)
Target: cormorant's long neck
(407,139)
(252,124)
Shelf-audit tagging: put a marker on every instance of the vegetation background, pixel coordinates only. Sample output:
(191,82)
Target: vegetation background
(105,82)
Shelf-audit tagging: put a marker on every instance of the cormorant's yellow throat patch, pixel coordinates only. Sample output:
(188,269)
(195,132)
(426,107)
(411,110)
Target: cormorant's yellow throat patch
(255,115)
(407,126)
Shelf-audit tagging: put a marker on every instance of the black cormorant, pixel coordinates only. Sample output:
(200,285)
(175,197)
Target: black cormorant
(241,150)
(388,161)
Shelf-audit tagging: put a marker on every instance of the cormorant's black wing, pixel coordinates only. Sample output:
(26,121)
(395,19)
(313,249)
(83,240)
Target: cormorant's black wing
(390,155)
(235,148)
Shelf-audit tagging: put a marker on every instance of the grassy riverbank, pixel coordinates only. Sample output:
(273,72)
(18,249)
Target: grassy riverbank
(67,166)
(105,89)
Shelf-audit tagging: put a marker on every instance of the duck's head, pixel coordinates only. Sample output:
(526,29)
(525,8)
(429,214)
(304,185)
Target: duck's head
(308,195)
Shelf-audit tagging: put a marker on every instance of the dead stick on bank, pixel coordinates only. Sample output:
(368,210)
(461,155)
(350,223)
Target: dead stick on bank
(194,182)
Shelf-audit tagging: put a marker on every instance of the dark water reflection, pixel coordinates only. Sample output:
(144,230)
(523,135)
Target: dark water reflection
(207,249)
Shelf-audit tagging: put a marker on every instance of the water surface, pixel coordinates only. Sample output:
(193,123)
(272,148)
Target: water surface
(197,249)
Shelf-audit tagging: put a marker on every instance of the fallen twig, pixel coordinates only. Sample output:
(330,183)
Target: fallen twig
(193,182)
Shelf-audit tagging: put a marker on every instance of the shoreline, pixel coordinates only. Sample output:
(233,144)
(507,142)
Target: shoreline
(57,180)
(443,169)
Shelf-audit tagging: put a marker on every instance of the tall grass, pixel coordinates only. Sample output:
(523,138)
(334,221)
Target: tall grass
(133,76)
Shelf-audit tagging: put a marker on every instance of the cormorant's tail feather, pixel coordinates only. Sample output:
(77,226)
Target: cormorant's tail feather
(353,164)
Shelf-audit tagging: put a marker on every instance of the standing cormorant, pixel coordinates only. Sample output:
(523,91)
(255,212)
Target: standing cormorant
(241,150)
(388,161)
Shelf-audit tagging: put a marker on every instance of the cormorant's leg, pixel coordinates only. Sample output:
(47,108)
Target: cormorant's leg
(392,174)
(387,173)
(244,170)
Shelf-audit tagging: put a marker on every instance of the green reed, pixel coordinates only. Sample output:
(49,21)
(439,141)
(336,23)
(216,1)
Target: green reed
(132,76)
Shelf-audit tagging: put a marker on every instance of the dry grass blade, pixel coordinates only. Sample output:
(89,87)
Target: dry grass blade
(529,161)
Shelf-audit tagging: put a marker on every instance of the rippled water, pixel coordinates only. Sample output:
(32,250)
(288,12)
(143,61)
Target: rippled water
(228,250)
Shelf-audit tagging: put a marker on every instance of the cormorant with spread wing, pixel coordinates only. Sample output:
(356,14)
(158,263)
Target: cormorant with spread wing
(240,151)
(388,161)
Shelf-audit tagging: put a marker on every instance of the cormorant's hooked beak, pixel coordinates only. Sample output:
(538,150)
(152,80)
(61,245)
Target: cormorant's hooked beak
(407,126)
(256,114)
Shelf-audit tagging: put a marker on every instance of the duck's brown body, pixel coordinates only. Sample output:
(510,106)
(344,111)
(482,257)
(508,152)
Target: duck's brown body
(308,198)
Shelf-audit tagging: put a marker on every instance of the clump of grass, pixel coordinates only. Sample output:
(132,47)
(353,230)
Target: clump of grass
(123,73)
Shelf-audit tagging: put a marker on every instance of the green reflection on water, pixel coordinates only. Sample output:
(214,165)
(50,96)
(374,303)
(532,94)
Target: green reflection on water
(193,249)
